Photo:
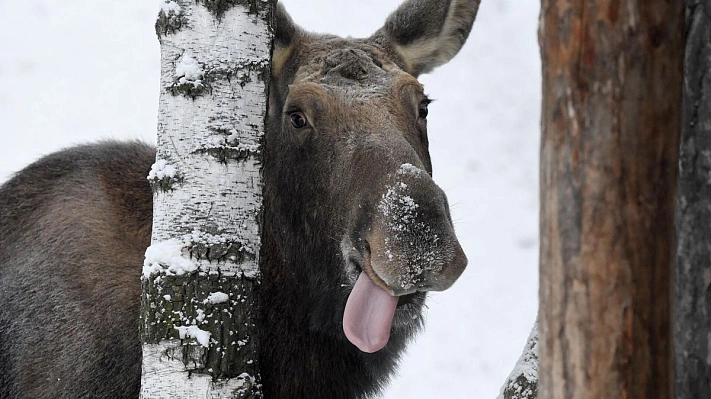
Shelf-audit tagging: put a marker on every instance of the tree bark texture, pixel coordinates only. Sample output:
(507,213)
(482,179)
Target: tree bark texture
(612,78)
(693,293)
(200,282)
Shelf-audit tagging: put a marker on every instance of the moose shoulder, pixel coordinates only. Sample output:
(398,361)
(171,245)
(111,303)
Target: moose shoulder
(355,231)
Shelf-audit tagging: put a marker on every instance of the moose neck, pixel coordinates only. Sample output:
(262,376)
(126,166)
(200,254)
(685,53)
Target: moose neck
(301,230)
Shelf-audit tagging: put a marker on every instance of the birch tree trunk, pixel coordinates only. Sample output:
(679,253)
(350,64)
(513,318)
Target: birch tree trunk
(201,275)
(612,79)
(693,293)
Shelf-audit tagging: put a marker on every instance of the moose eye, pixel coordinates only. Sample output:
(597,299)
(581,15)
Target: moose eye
(298,120)
(423,111)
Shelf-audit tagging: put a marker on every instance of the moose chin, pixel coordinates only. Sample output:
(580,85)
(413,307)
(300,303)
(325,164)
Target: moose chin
(355,232)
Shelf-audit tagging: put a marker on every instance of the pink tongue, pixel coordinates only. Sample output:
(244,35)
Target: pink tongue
(369,315)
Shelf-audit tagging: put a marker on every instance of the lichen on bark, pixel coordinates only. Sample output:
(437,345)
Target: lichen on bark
(169,22)
(226,153)
(183,302)
(242,74)
(166,183)
(193,89)
(219,7)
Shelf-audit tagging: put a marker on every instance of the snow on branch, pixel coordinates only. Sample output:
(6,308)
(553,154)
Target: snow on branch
(522,383)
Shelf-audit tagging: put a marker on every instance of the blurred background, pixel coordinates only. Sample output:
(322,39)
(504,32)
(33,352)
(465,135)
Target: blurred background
(72,72)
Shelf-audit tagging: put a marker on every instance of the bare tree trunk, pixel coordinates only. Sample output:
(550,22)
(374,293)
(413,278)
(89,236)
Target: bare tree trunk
(693,306)
(612,78)
(200,278)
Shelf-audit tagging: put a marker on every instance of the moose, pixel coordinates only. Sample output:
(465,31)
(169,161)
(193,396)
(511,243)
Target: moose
(355,231)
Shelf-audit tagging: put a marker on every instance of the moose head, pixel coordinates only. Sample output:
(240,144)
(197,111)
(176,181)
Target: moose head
(349,176)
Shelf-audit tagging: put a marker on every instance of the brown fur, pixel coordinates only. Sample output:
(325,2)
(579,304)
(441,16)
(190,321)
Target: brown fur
(70,255)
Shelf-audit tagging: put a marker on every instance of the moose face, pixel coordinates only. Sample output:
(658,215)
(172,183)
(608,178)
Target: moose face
(350,163)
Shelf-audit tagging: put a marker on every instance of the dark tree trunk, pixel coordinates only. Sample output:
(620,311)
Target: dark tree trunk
(693,307)
(612,79)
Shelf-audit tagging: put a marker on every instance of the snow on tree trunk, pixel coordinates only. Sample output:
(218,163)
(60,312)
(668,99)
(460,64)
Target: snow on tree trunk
(693,297)
(612,79)
(201,274)
(522,383)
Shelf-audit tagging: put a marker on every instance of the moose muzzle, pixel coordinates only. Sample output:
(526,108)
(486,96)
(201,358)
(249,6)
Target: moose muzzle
(411,247)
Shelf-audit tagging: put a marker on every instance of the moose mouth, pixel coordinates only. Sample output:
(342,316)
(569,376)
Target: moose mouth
(373,308)
(405,246)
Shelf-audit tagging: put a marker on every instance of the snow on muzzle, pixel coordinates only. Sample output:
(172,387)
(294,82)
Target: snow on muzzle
(412,248)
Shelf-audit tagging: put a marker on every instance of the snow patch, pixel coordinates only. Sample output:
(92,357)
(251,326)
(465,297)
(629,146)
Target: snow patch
(168,6)
(201,237)
(217,297)
(200,317)
(413,243)
(409,169)
(188,71)
(166,257)
(201,336)
(398,205)
(161,169)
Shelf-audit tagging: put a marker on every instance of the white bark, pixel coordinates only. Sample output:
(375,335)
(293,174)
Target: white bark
(214,77)
(169,380)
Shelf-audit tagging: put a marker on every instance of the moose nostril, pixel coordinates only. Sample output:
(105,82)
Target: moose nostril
(424,286)
(366,246)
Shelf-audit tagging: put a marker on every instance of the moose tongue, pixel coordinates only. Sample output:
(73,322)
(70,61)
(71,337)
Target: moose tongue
(368,315)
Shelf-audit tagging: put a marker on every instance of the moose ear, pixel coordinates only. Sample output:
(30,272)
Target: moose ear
(428,33)
(285,36)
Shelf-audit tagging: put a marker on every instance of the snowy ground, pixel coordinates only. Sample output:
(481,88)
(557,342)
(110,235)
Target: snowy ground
(71,72)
